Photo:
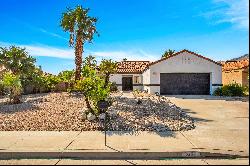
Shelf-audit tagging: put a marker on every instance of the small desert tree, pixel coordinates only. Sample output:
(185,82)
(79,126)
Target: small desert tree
(81,28)
(168,53)
(92,85)
(107,67)
(17,60)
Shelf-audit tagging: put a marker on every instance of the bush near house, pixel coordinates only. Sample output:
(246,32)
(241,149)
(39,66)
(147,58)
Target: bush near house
(113,87)
(67,80)
(233,89)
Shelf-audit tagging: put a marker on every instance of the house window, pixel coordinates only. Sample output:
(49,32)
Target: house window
(136,79)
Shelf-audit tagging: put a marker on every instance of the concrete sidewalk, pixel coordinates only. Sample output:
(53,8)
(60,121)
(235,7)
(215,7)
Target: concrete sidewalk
(88,148)
(93,141)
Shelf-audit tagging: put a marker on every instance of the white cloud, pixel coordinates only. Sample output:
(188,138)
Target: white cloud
(68,53)
(130,55)
(235,12)
(52,34)
(49,51)
(43,50)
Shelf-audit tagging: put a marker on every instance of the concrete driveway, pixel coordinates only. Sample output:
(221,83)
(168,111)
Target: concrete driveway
(222,124)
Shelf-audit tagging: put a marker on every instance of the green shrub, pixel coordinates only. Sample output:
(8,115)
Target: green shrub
(34,82)
(93,85)
(233,89)
(113,87)
(12,87)
(246,90)
(93,88)
(50,82)
(218,92)
(1,88)
(68,79)
(67,76)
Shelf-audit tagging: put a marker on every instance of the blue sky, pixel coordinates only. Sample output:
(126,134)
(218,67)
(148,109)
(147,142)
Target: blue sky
(135,29)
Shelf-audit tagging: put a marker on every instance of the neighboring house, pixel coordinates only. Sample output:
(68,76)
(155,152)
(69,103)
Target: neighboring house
(236,72)
(184,72)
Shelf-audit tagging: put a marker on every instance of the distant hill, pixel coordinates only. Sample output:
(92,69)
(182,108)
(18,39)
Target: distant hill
(243,57)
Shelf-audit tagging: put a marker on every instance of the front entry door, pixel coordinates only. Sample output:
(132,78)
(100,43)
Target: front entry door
(127,83)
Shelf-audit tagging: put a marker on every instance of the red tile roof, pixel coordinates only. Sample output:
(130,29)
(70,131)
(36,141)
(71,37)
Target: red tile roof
(235,65)
(132,66)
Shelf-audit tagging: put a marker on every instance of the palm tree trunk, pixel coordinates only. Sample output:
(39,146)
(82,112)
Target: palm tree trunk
(78,56)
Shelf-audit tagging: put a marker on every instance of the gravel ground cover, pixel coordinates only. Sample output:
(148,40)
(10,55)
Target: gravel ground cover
(152,114)
(64,112)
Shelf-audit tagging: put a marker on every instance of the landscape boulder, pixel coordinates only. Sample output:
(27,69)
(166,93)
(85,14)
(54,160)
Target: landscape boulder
(91,117)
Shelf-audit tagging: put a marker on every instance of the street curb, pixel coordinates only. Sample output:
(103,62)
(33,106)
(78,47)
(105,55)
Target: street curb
(116,155)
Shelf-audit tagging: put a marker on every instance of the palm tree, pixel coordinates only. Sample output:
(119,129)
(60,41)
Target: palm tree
(81,28)
(168,53)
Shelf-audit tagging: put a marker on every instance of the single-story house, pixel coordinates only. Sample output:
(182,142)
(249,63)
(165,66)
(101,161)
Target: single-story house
(236,72)
(183,73)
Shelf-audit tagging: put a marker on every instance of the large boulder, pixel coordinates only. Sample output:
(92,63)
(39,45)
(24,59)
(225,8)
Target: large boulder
(84,113)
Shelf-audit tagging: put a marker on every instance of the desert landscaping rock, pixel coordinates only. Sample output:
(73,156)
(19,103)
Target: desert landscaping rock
(102,116)
(67,112)
(152,114)
(91,117)
(50,112)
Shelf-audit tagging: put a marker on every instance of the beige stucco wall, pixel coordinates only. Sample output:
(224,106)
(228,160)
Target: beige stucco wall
(146,80)
(185,63)
(233,76)
(239,76)
(245,79)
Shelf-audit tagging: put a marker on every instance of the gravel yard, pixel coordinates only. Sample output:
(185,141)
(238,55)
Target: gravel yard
(61,112)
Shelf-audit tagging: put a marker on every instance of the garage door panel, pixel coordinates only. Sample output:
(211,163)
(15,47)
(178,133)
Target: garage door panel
(185,83)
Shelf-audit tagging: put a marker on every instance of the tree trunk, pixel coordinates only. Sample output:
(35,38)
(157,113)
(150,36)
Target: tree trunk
(106,80)
(16,100)
(78,56)
(88,104)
